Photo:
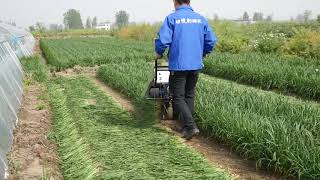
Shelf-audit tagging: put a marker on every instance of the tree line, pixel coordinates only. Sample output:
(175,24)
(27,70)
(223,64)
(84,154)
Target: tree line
(257,16)
(72,20)
(306,16)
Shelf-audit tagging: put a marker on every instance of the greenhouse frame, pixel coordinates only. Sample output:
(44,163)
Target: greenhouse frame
(15,43)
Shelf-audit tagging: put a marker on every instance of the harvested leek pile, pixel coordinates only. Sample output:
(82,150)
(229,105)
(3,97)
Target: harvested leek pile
(99,140)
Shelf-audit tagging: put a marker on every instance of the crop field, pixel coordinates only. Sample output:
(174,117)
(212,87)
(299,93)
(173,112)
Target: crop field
(280,133)
(109,143)
(271,72)
(98,91)
(273,129)
(287,75)
(98,139)
(66,53)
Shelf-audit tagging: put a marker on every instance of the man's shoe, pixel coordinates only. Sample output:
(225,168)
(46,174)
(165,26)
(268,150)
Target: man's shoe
(196,131)
(187,133)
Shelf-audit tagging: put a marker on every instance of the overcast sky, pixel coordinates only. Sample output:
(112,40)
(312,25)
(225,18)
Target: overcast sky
(28,12)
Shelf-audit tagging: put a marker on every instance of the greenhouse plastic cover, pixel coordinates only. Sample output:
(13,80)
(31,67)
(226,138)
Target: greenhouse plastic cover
(14,43)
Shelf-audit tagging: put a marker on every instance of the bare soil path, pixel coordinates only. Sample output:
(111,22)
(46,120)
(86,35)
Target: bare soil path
(33,156)
(91,73)
(222,156)
(218,155)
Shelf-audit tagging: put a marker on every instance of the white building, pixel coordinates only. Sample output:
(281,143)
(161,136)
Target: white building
(104,26)
(240,21)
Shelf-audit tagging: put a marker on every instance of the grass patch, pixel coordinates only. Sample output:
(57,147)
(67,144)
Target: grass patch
(41,106)
(35,69)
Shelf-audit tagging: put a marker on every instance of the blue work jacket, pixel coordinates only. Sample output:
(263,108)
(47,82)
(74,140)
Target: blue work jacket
(188,36)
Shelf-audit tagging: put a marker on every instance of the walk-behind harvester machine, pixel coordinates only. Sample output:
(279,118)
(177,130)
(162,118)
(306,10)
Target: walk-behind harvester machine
(159,90)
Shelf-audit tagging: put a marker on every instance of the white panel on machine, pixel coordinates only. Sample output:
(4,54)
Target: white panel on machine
(163,76)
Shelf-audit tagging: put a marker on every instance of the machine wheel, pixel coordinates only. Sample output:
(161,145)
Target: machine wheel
(170,113)
(163,114)
(166,112)
(154,93)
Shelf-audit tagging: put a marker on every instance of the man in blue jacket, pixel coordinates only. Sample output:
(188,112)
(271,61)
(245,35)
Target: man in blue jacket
(189,38)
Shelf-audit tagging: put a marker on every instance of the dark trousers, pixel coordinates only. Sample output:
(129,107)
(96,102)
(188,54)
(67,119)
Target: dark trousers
(183,87)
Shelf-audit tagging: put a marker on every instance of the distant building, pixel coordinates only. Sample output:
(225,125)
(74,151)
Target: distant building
(104,26)
(240,21)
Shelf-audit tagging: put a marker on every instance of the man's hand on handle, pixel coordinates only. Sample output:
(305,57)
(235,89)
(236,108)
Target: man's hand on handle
(158,56)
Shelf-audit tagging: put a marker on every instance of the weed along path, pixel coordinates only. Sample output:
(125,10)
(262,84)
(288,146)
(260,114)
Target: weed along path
(217,155)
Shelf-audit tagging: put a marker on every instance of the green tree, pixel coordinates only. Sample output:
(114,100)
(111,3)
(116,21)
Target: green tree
(88,23)
(94,22)
(31,28)
(122,19)
(54,27)
(72,19)
(300,18)
(269,18)
(318,18)
(307,14)
(257,16)
(40,27)
(246,16)
(216,17)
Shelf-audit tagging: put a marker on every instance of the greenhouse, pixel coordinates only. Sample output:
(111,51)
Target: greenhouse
(14,44)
